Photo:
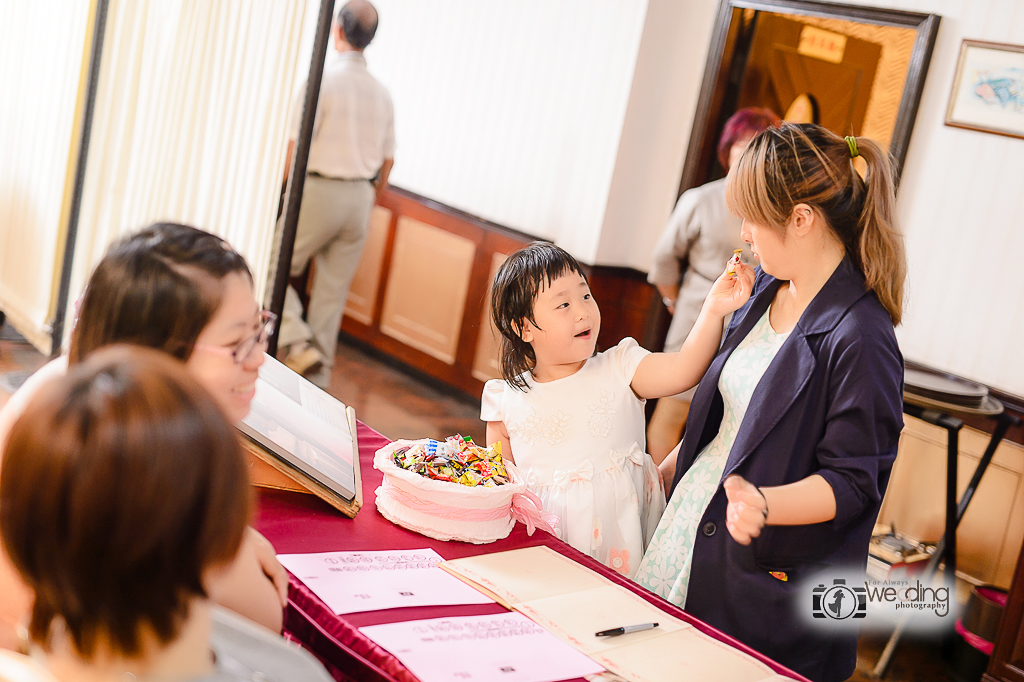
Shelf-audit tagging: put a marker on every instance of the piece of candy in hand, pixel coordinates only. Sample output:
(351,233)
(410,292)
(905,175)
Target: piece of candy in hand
(733,262)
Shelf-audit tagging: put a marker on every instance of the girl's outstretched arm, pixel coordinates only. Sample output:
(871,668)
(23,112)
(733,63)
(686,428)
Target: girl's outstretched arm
(663,374)
(496,433)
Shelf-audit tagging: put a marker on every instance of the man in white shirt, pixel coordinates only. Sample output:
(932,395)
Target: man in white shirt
(350,157)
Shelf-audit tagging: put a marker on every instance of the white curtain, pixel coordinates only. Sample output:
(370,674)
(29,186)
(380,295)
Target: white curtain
(43,51)
(190,123)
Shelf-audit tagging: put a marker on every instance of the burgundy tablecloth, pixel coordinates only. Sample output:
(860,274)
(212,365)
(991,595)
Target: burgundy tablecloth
(298,523)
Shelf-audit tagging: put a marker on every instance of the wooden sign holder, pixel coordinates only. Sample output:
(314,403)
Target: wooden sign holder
(266,470)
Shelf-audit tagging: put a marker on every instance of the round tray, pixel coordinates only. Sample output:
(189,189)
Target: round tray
(946,388)
(989,406)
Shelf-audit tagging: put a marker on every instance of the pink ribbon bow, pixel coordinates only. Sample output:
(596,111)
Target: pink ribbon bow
(529,509)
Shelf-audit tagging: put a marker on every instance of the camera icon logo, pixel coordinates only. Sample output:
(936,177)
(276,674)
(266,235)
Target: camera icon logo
(839,601)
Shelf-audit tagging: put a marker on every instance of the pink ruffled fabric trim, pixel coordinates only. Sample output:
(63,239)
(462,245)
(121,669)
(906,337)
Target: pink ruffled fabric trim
(525,507)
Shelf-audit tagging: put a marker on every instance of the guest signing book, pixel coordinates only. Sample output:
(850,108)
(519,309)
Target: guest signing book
(573,602)
(302,438)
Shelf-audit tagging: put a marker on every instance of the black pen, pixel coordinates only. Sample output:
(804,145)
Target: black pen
(625,630)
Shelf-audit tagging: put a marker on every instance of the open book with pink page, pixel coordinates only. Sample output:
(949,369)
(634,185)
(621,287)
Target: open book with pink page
(574,603)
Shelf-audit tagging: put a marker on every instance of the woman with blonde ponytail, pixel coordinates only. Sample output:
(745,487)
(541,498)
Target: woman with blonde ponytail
(794,429)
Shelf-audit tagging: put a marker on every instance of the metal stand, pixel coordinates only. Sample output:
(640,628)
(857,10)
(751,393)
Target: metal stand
(954,510)
(297,176)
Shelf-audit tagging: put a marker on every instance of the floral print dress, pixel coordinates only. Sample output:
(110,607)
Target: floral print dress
(665,568)
(580,443)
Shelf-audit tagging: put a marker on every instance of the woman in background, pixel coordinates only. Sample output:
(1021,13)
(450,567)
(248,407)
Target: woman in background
(124,497)
(189,294)
(705,233)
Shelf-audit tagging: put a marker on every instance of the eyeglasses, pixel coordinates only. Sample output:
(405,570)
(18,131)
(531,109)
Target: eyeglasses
(241,351)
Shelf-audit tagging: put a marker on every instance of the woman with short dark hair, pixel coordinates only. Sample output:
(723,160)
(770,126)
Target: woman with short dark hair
(183,291)
(124,494)
(187,293)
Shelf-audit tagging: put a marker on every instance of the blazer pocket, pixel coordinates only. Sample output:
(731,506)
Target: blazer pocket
(794,546)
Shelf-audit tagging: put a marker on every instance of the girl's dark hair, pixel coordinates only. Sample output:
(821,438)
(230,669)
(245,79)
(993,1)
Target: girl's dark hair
(807,164)
(519,280)
(122,484)
(157,288)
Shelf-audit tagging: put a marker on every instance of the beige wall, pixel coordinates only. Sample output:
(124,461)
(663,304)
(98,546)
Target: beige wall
(960,204)
(511,110)
(596,169)
(567,121)
(656,131)
(961,207)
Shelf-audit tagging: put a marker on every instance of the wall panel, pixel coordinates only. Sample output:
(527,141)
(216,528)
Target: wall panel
(362,295)
(488,344)
(427,288)
(992,531)
(434,268)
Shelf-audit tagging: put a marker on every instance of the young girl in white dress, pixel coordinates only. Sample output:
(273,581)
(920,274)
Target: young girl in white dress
(573,421)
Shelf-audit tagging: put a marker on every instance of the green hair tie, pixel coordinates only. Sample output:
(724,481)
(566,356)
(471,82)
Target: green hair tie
(851,142)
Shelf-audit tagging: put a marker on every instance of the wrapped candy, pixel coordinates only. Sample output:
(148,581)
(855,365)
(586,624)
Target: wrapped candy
(455,490)
(734,261)
(457,459)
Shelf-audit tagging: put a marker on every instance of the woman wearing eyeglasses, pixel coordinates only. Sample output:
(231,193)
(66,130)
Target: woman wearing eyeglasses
(188,293)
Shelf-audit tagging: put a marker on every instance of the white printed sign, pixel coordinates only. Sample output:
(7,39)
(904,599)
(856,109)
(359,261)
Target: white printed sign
(508,647)
(353,582)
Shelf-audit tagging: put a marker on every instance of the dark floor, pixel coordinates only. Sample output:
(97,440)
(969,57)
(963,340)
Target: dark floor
(399,405)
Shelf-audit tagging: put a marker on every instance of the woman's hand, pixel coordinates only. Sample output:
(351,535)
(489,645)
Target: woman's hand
(730,291)
(272,568)
(747,512)
(252,584)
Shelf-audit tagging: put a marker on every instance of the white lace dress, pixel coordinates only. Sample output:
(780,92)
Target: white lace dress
(580,443)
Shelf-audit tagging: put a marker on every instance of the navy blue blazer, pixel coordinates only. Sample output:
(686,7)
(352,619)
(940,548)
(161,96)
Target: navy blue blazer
(830,403)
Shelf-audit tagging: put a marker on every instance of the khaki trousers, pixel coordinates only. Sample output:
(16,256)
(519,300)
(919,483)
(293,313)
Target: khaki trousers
(332,228)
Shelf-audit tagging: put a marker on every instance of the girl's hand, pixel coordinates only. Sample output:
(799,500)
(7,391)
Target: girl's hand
(747,511)
(730,292)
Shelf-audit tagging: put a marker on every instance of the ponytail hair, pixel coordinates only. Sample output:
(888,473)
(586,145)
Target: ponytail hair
(880,247)
(807,164)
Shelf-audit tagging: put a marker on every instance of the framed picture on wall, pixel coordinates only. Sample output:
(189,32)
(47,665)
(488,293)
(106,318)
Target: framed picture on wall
(988,89)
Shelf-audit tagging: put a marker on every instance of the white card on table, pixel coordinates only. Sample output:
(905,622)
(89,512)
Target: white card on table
(505,646)
(353,582)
